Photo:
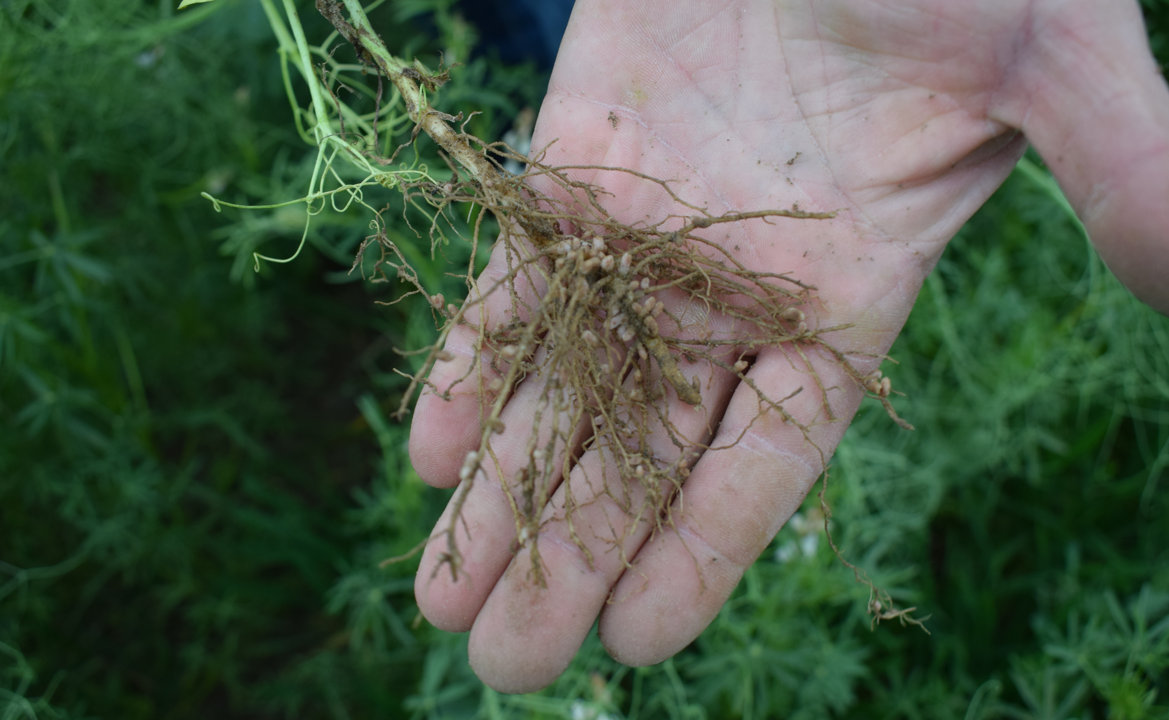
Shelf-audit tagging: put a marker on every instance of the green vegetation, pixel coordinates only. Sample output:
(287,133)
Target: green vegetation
(199,475)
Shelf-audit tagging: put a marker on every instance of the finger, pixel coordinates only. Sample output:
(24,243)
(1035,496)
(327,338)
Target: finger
(447,418)
(474,539)
(1087,92)
(537,616)
(540,427)
(734,502)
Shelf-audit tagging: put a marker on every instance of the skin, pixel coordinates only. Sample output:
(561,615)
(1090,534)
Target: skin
(901,116)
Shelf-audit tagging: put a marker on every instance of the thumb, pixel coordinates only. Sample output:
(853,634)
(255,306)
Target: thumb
(1086,91)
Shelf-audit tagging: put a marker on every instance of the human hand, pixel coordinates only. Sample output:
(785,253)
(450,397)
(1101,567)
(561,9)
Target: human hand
(903,119)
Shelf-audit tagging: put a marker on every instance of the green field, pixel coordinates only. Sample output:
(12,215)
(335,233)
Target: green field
(199,472)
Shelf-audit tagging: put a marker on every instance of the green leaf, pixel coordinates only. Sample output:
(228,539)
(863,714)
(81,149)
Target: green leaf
(185,3)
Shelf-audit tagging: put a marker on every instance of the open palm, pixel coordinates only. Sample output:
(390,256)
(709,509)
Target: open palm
(900,117)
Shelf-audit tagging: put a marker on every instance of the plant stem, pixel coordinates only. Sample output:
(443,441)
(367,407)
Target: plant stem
(501,189)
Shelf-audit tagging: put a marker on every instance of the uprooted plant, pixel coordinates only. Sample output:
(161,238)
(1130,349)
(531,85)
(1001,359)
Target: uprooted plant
(585,290)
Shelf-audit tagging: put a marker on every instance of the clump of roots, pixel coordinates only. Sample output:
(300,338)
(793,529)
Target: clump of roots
(588,320)
(604,315)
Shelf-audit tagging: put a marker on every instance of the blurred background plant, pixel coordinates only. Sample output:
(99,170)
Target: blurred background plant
(199,476)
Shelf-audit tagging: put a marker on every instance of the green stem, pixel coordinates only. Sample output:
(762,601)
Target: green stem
(321,131)
(293,42)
